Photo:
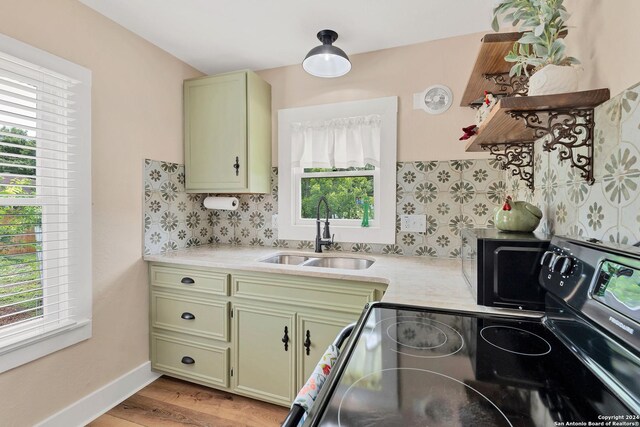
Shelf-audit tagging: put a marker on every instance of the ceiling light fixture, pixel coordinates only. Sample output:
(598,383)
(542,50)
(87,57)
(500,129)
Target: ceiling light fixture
(327,60)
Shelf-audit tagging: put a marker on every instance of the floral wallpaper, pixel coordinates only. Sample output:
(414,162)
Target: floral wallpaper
(452,194)
(172,219)
(608,210)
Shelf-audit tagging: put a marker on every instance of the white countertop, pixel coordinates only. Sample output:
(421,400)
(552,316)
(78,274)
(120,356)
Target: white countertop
(421,281)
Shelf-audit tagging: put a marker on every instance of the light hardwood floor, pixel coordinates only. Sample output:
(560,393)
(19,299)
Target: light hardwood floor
(171,402)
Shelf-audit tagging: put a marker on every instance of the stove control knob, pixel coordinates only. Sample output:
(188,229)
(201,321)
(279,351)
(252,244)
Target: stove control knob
(547,258)
(561,264)
(566,267)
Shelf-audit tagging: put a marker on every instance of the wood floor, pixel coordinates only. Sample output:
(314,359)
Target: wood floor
(171,402)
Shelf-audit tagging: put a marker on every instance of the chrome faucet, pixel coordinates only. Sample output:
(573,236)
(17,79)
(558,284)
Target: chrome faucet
(326,238)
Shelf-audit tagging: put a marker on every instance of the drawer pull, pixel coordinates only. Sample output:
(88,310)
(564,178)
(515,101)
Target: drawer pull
(285,339)
(187,281)
(187,316)
(236,165)
(188,360)
(307,342)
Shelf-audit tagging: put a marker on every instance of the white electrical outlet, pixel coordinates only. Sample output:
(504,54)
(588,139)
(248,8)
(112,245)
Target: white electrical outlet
(415,223)
(274,221)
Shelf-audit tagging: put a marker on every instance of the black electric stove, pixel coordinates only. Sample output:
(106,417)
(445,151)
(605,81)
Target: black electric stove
(580,362)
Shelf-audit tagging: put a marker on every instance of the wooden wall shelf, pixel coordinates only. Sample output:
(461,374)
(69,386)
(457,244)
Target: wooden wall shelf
(501,127)
(517,120)
(491,72)
(490,61)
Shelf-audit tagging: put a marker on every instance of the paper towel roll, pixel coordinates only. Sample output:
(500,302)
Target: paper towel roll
(227,203)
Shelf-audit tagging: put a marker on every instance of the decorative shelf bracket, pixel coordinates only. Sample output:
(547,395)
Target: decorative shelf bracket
(510,85)
(517,157)
(569,130)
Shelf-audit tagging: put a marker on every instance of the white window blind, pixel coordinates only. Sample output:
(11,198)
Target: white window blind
(45,246)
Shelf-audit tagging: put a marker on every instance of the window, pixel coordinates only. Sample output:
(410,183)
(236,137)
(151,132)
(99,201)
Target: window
(45,203)
(347,190)
(347,153)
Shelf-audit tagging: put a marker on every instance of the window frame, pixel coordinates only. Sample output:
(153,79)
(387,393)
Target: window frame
(28,346)
(382,227)
(298,175)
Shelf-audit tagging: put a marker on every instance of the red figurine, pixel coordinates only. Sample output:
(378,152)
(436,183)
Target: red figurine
(469,131)
(507,206)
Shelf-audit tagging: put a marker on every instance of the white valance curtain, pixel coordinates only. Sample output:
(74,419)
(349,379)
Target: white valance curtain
(337,143)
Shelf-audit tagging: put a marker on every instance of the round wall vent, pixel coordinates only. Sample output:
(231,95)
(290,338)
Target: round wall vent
(435,99)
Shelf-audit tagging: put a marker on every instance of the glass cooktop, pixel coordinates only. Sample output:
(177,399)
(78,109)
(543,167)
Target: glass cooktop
(411,367)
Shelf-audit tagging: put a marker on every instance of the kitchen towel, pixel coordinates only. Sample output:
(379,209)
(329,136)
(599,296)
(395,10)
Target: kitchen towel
(308,394)
(226,203)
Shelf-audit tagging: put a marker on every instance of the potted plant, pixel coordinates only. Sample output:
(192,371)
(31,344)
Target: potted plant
(541,48)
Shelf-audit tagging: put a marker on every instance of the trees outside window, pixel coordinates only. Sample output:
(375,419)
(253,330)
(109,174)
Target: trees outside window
(345,189)
(20,245)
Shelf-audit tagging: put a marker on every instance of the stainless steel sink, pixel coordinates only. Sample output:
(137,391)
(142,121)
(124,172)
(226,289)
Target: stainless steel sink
(339,262)
(350,263)
(286,259)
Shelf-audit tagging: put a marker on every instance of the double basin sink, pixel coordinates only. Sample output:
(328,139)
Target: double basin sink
(350,263)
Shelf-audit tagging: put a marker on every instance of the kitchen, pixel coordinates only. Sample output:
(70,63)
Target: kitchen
(137,92)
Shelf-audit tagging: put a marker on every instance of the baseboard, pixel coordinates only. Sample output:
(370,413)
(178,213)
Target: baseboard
(100,401)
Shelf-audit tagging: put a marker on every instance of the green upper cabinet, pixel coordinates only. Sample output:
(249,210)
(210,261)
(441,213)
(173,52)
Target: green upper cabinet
(227,117)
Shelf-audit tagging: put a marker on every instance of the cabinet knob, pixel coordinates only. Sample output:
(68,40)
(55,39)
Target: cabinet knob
(285,339)
(187,281)
(187,316)
(188,360)
(236,165)
(307,342)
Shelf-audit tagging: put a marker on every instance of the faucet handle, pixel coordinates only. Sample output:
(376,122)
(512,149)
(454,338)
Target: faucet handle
(326,233)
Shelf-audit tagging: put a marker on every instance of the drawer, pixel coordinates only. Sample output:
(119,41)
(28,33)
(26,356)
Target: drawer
(343,296)
(199,362)
(178,313)
(186,278)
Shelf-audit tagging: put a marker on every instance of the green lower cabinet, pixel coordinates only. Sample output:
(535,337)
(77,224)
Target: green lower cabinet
(251,339)
(315,333)
(264,343)
(193,315)
(204,363)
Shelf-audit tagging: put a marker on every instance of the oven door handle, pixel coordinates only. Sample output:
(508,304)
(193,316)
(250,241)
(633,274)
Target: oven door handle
(343,335)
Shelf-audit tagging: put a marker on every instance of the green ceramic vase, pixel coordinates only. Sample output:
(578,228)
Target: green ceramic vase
(523,217)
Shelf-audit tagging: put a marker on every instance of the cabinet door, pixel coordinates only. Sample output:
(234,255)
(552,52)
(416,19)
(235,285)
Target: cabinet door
(322,330)
(215,126)
(263,364)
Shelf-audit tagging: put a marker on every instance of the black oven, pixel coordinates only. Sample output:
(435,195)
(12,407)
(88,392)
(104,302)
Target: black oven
(502,268)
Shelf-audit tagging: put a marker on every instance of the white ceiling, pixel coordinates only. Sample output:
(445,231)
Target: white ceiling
(224,35)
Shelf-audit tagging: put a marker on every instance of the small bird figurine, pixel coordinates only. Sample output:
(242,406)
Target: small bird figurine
(469,131)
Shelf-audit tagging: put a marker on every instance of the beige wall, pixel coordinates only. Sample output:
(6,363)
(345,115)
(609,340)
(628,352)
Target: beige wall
(137,113)
(399,71)
(602,36)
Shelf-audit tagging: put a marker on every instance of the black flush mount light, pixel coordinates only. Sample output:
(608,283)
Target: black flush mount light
(327,60)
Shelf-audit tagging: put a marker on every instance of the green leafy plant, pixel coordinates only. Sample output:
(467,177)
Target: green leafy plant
(543,22)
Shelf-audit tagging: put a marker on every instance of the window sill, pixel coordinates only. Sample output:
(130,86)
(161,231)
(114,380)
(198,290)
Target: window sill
(29,349)
(347,234)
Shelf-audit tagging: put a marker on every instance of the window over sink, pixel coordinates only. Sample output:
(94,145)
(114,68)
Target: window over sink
(347,153)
